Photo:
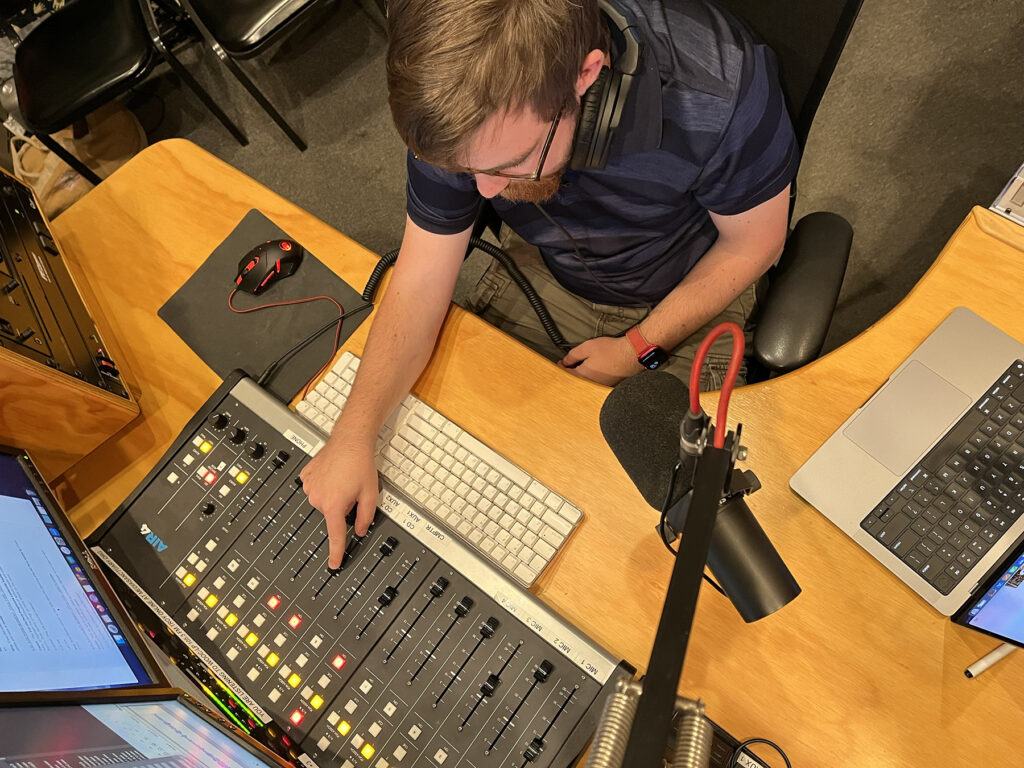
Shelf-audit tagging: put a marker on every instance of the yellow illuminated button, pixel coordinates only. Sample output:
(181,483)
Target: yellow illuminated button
(316,702)
(294,680)
(251,639)
(344,727)
(241,477)
(367,751)
(189,579)
(206,446)
(231,619)
(211,600)
(272,659)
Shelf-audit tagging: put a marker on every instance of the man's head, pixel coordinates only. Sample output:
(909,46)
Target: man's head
(492,87)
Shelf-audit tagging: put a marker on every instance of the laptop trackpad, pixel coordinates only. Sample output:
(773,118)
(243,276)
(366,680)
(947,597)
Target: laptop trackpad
(906,416)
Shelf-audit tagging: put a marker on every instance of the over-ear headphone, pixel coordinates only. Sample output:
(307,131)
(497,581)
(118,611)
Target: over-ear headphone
(601,106)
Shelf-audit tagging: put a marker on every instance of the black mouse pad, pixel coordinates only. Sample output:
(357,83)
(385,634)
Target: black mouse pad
(199,313)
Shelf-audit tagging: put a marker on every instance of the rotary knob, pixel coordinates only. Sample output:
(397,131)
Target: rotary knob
(239,435)
(219,420)
(257,451)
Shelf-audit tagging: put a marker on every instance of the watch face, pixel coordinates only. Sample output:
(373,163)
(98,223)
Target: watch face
(653,358)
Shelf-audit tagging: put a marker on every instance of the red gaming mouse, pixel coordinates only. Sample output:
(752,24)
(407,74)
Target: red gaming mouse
(267,263)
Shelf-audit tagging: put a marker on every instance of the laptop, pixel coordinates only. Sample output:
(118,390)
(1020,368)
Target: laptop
(73,663)
(928,475)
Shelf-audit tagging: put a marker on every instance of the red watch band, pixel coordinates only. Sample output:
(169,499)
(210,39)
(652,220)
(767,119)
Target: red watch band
(641,345)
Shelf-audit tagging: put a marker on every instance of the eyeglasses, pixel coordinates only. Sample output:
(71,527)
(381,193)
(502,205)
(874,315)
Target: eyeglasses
(540,165)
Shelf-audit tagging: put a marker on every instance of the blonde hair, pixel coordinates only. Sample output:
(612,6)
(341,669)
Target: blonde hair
(451,64)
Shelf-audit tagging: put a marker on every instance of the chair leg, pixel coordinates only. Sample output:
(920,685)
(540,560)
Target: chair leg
(58,149)
(203,95)
(250,86)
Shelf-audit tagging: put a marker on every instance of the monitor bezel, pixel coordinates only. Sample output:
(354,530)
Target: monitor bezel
(984,585)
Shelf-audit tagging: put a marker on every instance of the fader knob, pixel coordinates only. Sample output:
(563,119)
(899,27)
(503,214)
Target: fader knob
(239,435)
(489,627)
(534,749)
(543,671)
(464,605)
(257,451)
(438,587)
(490,685)
(389,546)
(219,420)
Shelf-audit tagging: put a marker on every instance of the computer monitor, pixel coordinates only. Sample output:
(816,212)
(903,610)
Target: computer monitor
(169,733)
(61,627)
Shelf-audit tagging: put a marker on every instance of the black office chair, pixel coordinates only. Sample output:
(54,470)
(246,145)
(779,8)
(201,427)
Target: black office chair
(803,287)
(84,55)
(241,29)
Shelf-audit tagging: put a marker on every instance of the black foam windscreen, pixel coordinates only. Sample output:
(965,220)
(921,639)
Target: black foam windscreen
(640,421)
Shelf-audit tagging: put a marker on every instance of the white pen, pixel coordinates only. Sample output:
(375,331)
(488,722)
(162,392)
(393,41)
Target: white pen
(989,659)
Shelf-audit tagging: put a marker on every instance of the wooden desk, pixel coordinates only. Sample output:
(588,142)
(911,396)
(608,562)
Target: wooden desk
(857,671)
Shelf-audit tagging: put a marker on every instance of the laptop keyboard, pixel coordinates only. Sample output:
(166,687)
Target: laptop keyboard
(964,494)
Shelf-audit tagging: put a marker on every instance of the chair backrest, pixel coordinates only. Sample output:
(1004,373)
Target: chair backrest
(807,36)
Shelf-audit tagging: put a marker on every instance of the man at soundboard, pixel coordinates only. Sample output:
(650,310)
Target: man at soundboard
(639,149)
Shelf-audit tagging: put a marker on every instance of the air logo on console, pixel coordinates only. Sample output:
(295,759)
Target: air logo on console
(152,538)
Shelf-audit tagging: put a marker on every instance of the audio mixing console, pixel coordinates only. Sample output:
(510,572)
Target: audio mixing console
(415,652)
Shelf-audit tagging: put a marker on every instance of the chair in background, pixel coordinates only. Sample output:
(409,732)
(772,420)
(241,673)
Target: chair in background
(83,56)
(241,29)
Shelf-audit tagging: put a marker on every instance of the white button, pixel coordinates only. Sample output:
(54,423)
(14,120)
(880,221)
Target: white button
(323,682)
(189,458)
(389,710)
(219,582)
(212,634)
(279,640)
(233,471)
(201,471)
(232,654)
(181,573)
(440,756)
(333,718)
(307,692)
(172,478)
(347,764)
(301,660)
(259,619)
(351,706)
(382,763)
(211,545)
(222,612)
(253,673)
(201,566)
(254,583)
(203,592)
(324,743)
(263,651)
(239,601)
(242,630)
(233,566)
(193,615)
(366,687)
(399,753)
(198,441)
(224,490)
(274,695)
(285,670)
(316,641)
(358,741)
(414,732)
(374,729)
(193,559)
(220,467)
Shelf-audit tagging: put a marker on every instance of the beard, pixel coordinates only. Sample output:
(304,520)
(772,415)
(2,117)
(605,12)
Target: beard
(520,191)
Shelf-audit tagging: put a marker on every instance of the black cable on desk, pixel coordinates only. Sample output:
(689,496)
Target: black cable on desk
(739,750)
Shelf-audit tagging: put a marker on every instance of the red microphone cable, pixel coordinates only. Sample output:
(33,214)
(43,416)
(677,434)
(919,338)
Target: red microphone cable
(731,373)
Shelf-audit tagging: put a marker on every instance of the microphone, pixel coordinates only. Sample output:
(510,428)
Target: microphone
(640,420)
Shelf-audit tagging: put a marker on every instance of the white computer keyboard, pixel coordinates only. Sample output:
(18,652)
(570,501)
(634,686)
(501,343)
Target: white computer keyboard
(472,490)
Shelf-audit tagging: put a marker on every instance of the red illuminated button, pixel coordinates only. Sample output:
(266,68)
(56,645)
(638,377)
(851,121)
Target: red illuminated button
(273,602)
(210,478)
(285,245)
(294,621)
(339,661)
(296,717)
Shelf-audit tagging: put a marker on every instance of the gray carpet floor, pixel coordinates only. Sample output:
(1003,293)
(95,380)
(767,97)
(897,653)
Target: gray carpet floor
(923,119)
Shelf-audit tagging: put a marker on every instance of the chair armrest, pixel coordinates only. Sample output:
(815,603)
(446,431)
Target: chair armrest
(802,294)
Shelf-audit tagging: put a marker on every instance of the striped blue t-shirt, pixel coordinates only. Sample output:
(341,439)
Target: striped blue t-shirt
(704,128)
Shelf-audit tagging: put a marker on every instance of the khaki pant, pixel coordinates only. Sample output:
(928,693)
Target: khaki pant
(497,299)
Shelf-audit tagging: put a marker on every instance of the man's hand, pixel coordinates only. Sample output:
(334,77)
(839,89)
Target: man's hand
(606,360)
(343,474)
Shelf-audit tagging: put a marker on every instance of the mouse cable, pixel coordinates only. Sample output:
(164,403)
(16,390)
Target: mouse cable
(546,321)
(734,761)
(661,524)
(271,370)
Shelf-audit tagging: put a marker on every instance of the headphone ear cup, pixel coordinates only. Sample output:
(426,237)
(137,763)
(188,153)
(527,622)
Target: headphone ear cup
(587,126)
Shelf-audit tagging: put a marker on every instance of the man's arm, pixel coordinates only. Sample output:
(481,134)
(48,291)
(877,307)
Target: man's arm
(401,340)
(747,245)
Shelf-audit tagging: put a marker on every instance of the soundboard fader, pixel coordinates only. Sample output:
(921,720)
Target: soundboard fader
(416,652)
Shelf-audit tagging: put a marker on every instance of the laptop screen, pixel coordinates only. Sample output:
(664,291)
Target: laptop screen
(56,630)
(1000,610)
(153,733)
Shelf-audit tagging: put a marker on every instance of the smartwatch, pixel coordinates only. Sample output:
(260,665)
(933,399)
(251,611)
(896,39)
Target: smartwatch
(650,356)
